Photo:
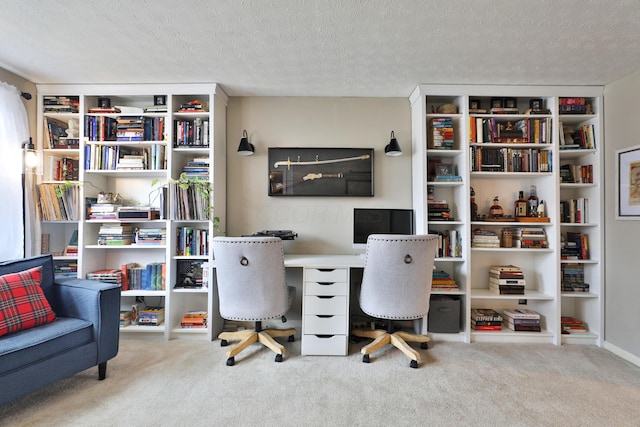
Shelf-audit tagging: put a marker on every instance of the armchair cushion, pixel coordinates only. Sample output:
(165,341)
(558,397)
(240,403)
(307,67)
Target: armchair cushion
(22,301)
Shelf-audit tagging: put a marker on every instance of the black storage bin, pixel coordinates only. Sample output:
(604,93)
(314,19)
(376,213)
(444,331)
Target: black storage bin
(444,314)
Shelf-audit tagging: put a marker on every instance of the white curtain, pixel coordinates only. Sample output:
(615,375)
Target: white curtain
(14,131)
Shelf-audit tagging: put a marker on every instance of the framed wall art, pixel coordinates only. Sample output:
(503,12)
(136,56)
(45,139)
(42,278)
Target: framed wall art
(320,171)
(628,183)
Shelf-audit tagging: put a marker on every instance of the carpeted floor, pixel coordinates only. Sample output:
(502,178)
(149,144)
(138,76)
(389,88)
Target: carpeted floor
(186,383)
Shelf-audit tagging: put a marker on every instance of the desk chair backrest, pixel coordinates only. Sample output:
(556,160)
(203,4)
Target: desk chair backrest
(250,277)
(396,282)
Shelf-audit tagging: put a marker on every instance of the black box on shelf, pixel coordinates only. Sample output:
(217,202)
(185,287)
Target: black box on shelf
(444,314)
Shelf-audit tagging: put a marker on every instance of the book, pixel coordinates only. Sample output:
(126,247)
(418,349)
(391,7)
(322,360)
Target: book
(485,314)
(501,268)
(520,313)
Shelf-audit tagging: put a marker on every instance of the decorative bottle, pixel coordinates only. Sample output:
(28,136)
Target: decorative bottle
(474,205)
(520,206)
(533,202)
(495,211)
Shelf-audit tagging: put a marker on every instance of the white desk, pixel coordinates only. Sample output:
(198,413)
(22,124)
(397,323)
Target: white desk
(324,261)
(325,301)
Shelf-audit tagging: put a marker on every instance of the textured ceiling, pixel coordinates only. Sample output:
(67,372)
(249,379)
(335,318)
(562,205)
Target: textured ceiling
(321,47)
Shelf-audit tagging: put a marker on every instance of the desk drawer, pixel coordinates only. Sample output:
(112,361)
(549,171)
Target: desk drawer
(324,325)
(326,274)
(325,305)
(326,288)
(332,345)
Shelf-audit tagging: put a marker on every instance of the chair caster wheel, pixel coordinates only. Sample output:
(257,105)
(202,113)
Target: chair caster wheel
(414,364)
(224,343)
(292,338)
(278,358)
(231,361)
(366,358)
(424,345)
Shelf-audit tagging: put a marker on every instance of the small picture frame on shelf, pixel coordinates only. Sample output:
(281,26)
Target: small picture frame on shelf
(446,169)
(474,104)
(159,100)
(536,104)
(497,102)
(510,102)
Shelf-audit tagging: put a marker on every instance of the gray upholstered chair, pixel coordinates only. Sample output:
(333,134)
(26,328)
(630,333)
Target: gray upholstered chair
(396,285)
(251,285)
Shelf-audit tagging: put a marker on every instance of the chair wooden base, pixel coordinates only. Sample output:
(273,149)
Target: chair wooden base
(398,339)
(250,336)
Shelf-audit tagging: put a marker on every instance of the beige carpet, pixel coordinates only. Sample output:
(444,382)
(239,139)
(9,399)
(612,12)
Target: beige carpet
(186,383)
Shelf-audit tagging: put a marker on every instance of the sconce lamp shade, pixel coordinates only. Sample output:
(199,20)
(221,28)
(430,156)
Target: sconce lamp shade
(393,148)
(30,154)
(245,148)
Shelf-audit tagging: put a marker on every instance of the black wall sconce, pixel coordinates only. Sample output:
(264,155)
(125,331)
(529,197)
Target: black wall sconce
(393,148)
(245,148)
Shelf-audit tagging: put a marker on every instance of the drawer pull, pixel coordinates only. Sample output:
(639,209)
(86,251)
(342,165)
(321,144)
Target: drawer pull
(324,316)
(325,336)
(325,283)
(326,269)
(324,296)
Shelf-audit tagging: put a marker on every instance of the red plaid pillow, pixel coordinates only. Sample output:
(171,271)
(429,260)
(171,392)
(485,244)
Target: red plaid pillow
(22,302)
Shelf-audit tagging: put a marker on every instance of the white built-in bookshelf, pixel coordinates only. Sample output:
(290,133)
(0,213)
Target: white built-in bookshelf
(171,139)
(502,164)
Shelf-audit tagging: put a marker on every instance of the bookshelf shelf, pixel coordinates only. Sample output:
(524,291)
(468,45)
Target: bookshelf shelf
(481,293)
(489,163)
(147,135)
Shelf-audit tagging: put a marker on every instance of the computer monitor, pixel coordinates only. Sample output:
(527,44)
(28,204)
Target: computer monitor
(368,221)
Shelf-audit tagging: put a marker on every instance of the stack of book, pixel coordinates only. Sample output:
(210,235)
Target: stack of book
(506,280)
(441,281)
(131,162)
(106,275)
(116,234)
(130,128)
(125,318)
(65,268)
(485,319)
(483,238)
(194,319)
(573,278)
(151,316)
(521,319)
(441,133)
(193,106)
(572,105)
(103,211)
(572,325)
(197,168)
(151,236)
(61,104)
(530,237)
(438,210)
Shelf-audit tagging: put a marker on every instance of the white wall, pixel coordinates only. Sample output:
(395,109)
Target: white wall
(323,224)
(622,269)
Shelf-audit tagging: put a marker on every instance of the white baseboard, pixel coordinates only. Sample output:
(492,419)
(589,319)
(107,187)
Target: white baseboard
(622,353)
